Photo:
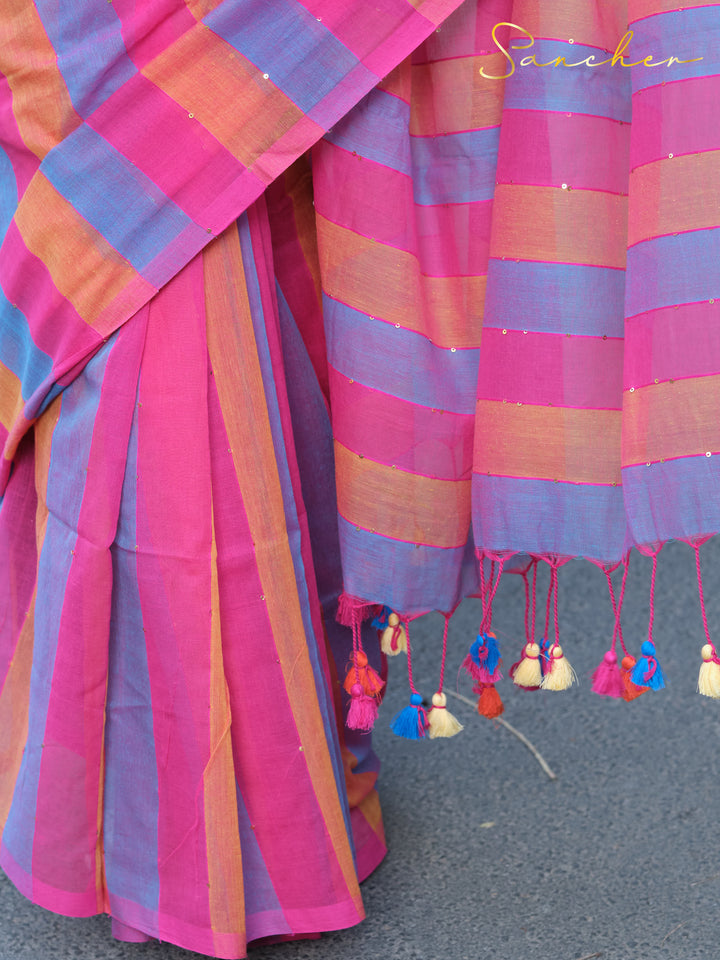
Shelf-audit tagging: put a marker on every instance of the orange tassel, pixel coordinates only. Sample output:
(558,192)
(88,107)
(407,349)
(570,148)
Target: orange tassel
(489,703)
(631,690)
(361,672)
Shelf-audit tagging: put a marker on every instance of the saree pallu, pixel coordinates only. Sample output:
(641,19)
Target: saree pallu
(493,333)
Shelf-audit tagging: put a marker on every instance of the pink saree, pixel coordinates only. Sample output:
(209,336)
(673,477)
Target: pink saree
(294,300)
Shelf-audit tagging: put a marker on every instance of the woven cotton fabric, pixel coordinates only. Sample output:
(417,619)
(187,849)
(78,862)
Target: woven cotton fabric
(296,298)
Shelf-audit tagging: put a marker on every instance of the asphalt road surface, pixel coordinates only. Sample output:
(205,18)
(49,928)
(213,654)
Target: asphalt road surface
(489,858)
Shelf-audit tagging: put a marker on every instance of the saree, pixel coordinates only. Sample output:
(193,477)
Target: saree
(300,298)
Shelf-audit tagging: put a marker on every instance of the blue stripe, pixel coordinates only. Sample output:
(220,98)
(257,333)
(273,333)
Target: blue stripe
(399,361)
(673,500)
(124,205)
(283,39)
(555,298)
(377,129)
(546,517)
(455,167)
(685,34)
(130,807)
(66,483)
(91,54)
(670,270)
(598,91)
(17,351)
(414,579)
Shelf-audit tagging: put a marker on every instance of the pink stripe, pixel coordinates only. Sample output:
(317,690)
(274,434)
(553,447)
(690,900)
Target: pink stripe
(139,120)
(55,325)
(173,564)
(469,35)
(548,368)
(582,151)
(377,202)
(64,850)
(393,431)
(680,104)
(673,344)
(149,29)
(398,27)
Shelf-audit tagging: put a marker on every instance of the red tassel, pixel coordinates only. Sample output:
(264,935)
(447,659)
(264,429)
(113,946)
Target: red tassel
(607,680)
(489,703)
(363,710)
(360,671)
(631,691)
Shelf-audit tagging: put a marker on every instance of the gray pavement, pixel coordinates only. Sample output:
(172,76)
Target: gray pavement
(489,858)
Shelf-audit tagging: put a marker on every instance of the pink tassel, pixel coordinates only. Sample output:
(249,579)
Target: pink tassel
(607,679)
(363,710)
(351,607)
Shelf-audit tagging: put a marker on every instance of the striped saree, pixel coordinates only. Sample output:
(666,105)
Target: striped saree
(221,404)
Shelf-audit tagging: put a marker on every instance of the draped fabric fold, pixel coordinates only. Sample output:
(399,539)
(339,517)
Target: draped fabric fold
(296,299)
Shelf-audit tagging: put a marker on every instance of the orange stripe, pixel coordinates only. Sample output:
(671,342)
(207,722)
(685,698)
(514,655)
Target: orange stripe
(201,8)
(224,92)
(234,359)
(561,226)
(385,282)
(469,101)
(401,505)
(85,268)
(601,25)
(671,419)
(674,195)
(40,100)
(11,401)
(222,831)
(550,443)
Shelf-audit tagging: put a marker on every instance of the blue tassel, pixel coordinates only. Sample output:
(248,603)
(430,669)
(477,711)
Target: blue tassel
(412,721)
(492,659)
(647,672)
(544,655)
(381,620)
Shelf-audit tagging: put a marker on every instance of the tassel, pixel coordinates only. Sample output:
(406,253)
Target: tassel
(360,671)
(647,672)
(411,722)
(489,703)
(607,680)
(544,655)
(526,672)
(363,710)
(483,660)
(380,620)
(441,723)
(632,691)
(349,608)
(559,674)
(394,639)
(709,679)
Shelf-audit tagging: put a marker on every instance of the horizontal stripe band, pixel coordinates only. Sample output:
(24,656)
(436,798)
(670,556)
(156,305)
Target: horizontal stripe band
(392,431)
(381,356)
(675,195)
(566,226)
(669,420)
(382,281)
(401,505)
(542,369)
(547,443)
